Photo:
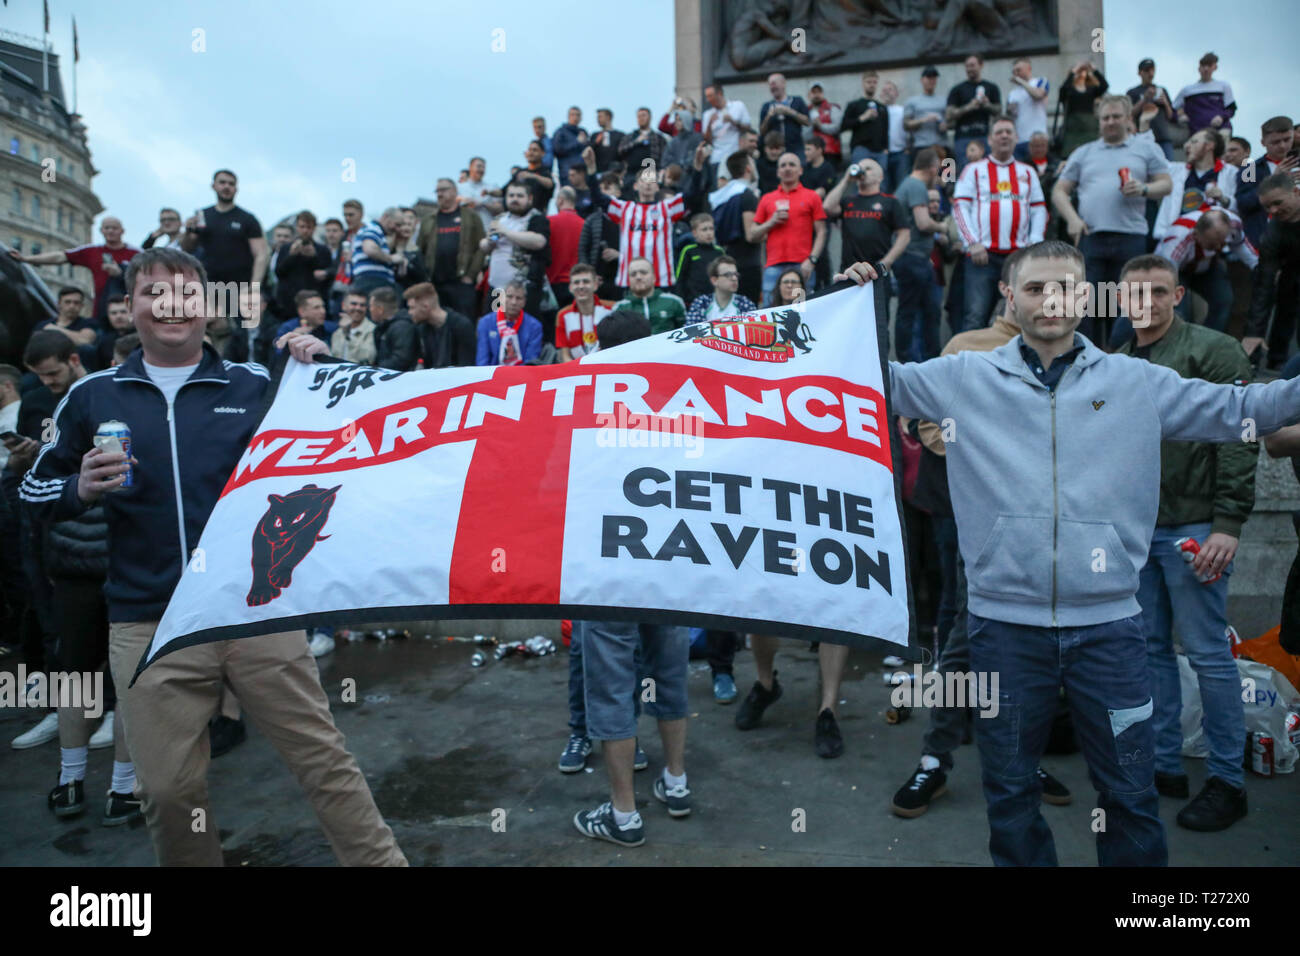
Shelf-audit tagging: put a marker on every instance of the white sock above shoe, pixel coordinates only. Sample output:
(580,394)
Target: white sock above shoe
(670,781)
(123,777)
(621,819)
(929,762)
(72,764)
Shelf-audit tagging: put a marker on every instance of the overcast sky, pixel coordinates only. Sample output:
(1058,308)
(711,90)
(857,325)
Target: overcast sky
(286,92)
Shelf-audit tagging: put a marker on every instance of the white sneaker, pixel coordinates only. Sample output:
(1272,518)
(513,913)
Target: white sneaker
(103,737)
(43,732)
(321,644)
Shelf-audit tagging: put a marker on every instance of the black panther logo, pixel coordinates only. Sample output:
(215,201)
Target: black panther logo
(289,529)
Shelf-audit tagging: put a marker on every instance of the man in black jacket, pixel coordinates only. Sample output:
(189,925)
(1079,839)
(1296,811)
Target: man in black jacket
(296,265)
(191,414)
(1275,277)
(396,344)
(446,338)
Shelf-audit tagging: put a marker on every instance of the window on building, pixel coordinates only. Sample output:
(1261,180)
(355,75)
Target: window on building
(36,207)
(14,146)
(36,248)
(60,218)
(36,153)
(16,244)
(16,202)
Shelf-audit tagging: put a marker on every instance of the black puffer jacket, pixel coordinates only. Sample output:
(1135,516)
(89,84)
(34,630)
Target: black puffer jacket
(78,547)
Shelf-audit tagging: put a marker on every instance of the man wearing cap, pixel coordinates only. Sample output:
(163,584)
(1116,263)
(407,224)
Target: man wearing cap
(923,114)
(1152,101)
(826,118)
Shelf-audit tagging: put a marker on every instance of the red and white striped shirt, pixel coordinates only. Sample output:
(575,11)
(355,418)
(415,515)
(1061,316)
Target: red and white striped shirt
(646,232)
(1180,247)
(999,205)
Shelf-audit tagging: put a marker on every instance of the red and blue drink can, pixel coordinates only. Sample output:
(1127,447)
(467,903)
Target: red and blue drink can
(115,436)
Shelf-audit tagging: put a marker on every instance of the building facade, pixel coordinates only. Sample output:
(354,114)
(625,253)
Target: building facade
(46,199)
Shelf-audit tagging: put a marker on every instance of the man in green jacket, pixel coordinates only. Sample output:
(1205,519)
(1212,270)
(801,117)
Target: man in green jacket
(664,310)
(1207,492)
(449,245)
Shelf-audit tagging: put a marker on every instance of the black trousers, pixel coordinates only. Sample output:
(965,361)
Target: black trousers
(460,296)
(81,618)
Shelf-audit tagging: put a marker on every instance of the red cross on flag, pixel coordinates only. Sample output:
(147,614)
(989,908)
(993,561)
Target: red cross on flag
(737,474)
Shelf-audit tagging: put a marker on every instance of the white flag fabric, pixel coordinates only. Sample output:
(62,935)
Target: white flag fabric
(735,474)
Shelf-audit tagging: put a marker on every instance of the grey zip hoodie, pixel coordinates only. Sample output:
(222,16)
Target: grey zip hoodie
(1056,494)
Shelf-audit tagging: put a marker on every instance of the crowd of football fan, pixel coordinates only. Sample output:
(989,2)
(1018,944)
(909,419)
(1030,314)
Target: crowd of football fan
(710,212)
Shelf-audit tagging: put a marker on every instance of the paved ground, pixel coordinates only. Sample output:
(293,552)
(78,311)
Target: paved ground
(444,745)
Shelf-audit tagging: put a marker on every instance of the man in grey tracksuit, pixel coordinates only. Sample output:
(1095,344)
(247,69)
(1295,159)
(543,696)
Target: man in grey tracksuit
(1054,469)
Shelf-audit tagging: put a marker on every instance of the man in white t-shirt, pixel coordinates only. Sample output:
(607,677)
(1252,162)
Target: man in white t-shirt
(478,194)
(723,123)
(1027,105)
(899,163)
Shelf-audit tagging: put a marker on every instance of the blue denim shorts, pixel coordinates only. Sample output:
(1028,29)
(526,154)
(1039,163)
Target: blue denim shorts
(609,673)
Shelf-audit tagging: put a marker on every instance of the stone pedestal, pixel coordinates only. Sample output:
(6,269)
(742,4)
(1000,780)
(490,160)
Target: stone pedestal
(700,38)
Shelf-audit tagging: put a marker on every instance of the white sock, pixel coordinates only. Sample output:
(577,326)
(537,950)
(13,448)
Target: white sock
(622,819)
(123,777)
(929,762)
(72,764)
(670,781)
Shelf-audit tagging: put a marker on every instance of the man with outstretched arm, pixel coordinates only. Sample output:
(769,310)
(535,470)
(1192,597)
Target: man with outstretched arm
(1040,428)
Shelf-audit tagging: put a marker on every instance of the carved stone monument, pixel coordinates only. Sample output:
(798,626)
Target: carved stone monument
(798,36)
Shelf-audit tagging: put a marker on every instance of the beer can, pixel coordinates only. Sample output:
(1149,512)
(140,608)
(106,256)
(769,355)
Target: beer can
(1234,640)
(1293,728)
(1190,548)
(1261,754)
(115,436)
(477,660)
(896,715)
(1124,175)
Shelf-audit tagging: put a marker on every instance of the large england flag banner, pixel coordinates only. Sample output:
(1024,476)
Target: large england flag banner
(735,474)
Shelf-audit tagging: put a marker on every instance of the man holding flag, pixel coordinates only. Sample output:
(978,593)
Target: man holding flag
(1052,410)
(191,415)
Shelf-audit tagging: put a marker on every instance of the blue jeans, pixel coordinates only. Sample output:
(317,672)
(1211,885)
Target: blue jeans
(612,679)
(981,290)
(1104,254)
(1107,683)
(773,272)
(959,145)
(577,690)
(368,282)
(897,169)
(1214,286)
(1171,597)
(861,152)
(917,306)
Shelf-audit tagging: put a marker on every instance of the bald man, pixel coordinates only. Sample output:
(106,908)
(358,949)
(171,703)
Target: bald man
(792,220)
(106,262)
